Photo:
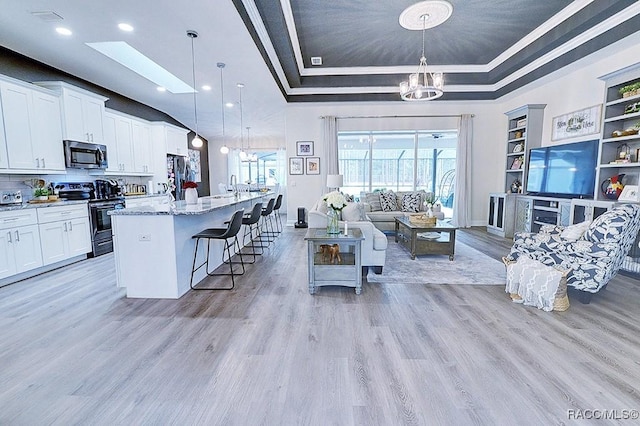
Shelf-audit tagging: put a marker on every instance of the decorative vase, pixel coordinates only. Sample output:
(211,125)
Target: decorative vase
(191,196)
(612,187)
(332,221)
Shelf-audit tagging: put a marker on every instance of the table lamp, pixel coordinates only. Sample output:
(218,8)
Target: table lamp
(334,182)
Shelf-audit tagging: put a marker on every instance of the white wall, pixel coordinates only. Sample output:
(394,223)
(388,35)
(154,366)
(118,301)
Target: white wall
(572,88)
(303,122)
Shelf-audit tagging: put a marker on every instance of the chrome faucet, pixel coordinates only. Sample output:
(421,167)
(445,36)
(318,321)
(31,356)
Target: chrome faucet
(233,182)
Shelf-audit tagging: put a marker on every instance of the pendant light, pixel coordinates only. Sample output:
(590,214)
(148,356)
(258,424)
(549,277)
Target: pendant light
(254,156)
(243,154)
(224,149)
(196,142)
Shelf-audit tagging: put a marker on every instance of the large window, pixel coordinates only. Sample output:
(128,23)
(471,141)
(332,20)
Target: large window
(398,161)
(264,167)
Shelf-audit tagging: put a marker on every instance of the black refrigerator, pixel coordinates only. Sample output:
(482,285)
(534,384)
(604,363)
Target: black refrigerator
(178,171)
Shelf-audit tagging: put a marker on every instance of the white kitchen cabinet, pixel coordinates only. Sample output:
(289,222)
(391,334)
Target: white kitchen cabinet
(142,149)
(129,145)
(19,242)
(64,232)
(17,112)
(176,140)
(32,129)
(82,112)
(47,132)
(4,161)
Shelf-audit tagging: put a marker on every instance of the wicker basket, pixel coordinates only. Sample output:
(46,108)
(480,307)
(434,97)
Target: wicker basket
(561,301)
(421,219)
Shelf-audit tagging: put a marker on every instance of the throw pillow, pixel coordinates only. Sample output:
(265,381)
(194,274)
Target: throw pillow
(388,201)
(411,202)
(574,232)
(373,199)
(348,197)
(351,213)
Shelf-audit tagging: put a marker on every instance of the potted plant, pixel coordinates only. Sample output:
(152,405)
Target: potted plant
(630,89)
(41,194)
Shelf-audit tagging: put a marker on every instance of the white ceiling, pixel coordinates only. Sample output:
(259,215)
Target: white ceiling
(160,33)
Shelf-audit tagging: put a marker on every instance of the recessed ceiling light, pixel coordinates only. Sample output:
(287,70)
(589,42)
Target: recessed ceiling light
(129,57)
(64,31)
(161,89)
(125,27)
(229,104)
(206,87)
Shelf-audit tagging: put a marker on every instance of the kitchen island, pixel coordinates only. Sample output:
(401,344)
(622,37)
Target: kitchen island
(153,246)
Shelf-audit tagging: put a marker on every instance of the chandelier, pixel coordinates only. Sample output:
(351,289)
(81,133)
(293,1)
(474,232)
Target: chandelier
(424,85)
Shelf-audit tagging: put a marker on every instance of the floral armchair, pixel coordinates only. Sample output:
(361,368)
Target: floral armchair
(592,258)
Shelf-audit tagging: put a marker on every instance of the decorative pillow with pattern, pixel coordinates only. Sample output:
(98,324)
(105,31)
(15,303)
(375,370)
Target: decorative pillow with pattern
(348,197)
(411,202)
(388,201)
(373,199)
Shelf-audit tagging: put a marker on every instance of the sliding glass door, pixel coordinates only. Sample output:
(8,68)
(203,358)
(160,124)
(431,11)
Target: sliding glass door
(398,161)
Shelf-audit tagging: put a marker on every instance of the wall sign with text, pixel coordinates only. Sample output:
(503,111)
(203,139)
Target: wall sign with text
(577,123)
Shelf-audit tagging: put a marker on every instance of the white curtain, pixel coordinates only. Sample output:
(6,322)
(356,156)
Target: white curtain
(462,194)
(330,135)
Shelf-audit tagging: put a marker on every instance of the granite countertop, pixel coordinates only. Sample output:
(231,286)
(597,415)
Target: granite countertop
(204,205)
(127,197)
(9,207)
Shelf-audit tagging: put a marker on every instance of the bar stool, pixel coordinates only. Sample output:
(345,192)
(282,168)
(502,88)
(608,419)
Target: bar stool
(250,221)
(226,234)
(276,214)
(267,234)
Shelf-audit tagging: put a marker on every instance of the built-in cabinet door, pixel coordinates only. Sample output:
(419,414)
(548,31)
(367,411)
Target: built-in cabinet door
(93,112)
(79,237)
(142,147)
(73,120)
(524,208)
(53,242)
(109,127)
(176,141)
(4,162)
(16,108)
(7,255)
(47,132)
(26,244)
(124,144)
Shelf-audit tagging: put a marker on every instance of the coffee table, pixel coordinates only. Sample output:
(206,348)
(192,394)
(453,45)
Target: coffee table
(426,239)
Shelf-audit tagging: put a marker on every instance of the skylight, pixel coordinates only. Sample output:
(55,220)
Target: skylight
(126,55)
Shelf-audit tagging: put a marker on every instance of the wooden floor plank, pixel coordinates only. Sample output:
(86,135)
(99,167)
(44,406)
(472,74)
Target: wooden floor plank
(74,347)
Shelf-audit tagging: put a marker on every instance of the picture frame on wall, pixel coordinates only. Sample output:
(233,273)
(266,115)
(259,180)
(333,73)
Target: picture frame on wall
(578,123)
(296,166)
(304,148)
(313,165)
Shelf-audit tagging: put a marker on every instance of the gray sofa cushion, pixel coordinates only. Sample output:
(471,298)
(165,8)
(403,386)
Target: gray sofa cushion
(354,212)
(373,199)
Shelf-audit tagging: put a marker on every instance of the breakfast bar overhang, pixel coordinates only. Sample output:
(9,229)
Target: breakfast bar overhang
(153,247)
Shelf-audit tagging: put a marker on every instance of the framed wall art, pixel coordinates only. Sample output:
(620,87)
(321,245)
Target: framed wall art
(313,166)
(296,166)
(578,123)
(304,148)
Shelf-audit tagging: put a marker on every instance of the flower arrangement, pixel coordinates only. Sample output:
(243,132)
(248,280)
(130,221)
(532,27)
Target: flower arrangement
(189,184)
(335,200)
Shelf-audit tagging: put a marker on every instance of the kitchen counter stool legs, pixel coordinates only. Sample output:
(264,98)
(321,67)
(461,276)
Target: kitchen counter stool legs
(230,233)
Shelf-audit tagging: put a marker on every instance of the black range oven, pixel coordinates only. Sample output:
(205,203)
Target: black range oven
(101,231)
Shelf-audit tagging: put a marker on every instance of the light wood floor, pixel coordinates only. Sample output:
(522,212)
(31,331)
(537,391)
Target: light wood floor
(74,350)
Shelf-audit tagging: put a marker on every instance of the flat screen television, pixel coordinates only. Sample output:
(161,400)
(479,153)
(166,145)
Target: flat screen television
(565,171)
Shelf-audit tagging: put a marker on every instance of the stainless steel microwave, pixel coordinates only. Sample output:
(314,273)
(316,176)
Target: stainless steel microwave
(83,155)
